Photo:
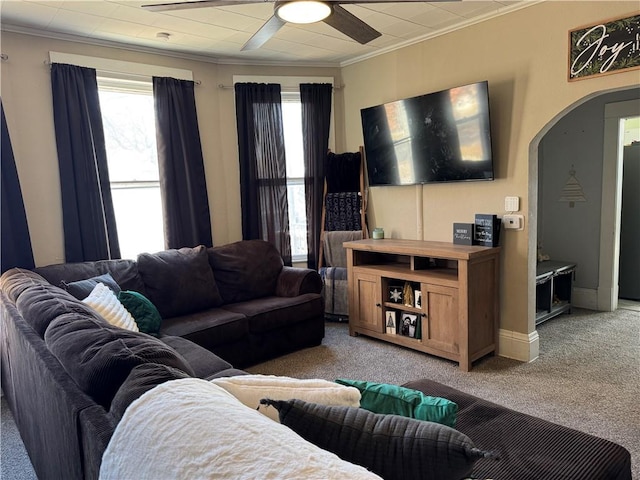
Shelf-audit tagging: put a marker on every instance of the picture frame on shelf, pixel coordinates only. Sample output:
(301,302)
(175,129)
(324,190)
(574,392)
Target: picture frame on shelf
(395,294)
(409,325)
(417,296)
(390,322)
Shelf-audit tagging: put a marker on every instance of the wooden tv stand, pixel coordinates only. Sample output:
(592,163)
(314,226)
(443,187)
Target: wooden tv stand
(459,312)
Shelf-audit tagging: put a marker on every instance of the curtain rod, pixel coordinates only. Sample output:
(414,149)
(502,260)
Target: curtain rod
(284,89)
(138,75)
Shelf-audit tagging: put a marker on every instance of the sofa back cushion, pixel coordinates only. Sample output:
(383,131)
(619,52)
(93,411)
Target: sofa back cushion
(245,270)
(38,301)
(99,357)
(179,282)
(124,272)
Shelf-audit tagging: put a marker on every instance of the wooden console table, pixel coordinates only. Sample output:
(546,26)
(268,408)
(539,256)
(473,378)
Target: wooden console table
(458,311)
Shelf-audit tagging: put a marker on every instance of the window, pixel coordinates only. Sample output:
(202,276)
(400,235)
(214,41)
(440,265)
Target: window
(129,127)
(292,123)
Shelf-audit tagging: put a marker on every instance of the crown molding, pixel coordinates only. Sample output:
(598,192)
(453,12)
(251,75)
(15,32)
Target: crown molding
(483,18)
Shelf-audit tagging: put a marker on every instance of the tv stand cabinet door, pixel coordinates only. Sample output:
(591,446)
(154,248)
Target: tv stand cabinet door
(440,325)
(365,308)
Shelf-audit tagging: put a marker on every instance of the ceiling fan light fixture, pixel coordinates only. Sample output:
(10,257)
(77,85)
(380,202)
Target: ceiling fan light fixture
(303,11)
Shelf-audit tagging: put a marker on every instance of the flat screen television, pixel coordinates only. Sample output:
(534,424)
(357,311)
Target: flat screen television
(437,137)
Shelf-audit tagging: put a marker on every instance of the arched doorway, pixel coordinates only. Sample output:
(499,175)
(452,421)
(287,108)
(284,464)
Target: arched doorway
(588,232)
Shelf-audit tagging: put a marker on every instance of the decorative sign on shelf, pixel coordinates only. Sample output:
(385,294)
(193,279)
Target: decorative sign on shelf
(605,48)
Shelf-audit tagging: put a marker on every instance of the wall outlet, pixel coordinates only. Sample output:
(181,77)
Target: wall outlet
(513,222)
(511,204)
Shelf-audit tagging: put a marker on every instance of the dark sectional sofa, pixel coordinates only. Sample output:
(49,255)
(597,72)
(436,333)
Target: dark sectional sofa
(63,365)
(68,375)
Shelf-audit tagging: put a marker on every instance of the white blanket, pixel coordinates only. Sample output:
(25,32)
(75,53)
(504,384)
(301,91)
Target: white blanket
(192,429)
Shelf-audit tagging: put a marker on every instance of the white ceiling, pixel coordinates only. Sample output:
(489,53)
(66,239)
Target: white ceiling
(217,33)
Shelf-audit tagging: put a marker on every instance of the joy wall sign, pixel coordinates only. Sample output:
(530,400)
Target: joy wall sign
(608,47)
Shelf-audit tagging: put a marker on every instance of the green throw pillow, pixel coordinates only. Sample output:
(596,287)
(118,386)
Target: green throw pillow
(142,310)
(386,398)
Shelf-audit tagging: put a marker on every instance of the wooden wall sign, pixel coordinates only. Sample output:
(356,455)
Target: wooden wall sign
(605,48)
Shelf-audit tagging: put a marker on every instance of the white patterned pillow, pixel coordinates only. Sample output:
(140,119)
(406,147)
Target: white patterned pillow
(250,389)
(104,301)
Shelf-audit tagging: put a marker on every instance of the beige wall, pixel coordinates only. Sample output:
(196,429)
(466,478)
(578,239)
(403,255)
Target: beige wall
(523,55)
(26,96)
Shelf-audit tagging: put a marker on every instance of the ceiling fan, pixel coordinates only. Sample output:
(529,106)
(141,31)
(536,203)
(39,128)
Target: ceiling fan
(293,11)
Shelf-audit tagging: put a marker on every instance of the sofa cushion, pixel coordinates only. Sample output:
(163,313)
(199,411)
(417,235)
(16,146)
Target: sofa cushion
(203,362)
(124,272)
(16,280)
(209,328)
(143,311)
(140,380)
(386,398)
(99,356)
(271,313)
(81,289)
(179,282)
(245,270)
(103,300)
(41,303)
(391,446)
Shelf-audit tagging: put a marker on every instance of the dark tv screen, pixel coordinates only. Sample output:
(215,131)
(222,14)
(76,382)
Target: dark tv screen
(437,137)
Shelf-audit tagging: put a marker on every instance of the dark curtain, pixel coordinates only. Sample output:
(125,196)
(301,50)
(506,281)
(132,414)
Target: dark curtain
(16,242)
(87,209)
(185,203)
(316,119)
(263,176)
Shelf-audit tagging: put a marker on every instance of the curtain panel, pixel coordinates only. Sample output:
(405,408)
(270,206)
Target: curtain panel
(87,208)
(16,242)
(316,120)
(263,176)
(183,186)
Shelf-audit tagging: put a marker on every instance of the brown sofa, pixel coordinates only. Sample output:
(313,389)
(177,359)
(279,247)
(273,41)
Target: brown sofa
(238,300)
(68,375)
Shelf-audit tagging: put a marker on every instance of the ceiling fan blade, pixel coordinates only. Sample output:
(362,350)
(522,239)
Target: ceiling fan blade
(351,25)
(266,31)
(164,7)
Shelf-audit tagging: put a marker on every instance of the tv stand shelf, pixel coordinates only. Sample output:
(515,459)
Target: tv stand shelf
(457,316)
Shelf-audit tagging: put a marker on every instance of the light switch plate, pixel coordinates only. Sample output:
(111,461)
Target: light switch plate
(511,204)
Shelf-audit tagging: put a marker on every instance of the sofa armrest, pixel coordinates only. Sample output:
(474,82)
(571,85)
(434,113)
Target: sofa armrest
(294,281)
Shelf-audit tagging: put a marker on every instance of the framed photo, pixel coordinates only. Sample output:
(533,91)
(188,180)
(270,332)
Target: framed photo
(390,322)
(395,294)
(417,296)
(409,324)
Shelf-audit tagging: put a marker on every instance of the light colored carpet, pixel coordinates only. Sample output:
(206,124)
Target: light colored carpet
(587,377)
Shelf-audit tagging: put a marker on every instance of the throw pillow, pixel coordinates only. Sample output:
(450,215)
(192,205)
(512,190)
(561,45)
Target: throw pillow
(82,288)
(103,301)
(386,398)
(179,282)
(250,389)
(99,357)
(144,312)
(391,446)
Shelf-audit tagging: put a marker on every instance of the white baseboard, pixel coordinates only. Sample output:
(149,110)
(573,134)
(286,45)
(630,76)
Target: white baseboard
(519,346)
(585,298)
